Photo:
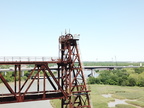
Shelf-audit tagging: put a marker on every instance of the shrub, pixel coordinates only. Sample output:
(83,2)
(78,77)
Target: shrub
(124,77)
(91,80)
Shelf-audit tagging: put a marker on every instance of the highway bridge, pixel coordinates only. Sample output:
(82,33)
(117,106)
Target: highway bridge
(109,67)
(84,67)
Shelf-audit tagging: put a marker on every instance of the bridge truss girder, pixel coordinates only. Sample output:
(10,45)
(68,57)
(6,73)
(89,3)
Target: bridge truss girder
(68,85)
(20,91)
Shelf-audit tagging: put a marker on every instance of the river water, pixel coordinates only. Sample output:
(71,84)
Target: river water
(33,104)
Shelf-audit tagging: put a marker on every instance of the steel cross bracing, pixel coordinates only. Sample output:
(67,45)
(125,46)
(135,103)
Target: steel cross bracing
(68,84)
(21,92)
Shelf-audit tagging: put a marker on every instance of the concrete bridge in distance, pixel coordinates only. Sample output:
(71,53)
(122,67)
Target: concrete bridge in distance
(92,68)
(84,67)
(109,67)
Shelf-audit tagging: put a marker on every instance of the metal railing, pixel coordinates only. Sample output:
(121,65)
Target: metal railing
(27,58)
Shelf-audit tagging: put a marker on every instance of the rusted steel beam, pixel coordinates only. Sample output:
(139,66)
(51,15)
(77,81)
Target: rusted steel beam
(31,83)
(28,78)
(50,80)
(32,92)
(7,85)
(15,74)
(60,88)
(32,97)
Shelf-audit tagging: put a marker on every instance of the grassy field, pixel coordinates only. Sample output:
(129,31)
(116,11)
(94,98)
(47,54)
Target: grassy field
(118,92)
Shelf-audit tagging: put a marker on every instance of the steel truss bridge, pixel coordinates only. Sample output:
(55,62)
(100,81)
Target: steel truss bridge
(68,84)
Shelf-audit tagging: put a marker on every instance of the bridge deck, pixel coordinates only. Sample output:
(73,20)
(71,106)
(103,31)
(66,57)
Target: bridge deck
(30,97)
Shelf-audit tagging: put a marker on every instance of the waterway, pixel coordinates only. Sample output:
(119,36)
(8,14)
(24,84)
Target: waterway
(33,104)
(88,72)
(112,104)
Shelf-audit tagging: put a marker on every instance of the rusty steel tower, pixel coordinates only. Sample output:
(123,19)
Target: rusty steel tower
(71,72)
(68,84)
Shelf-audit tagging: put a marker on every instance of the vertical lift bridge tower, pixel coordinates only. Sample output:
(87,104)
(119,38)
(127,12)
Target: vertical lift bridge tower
(72,75)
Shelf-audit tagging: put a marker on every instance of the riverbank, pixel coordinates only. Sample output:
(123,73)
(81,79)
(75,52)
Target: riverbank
(117,92)
(126,97)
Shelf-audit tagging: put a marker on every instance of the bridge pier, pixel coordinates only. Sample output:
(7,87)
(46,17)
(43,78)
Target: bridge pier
(22,73)
(92,73)
(5,73)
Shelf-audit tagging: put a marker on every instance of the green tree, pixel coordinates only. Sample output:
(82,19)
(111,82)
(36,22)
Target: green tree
(132,81)
(139,70)
(91,80)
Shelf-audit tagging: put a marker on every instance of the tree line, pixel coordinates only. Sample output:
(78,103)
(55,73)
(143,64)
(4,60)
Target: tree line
(112,63)
(10,77)
(121,77)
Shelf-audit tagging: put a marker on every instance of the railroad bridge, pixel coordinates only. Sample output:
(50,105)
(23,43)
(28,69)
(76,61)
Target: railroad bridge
(68,84)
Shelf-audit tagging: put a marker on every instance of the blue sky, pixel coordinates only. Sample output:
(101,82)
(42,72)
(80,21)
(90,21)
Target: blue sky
(108,29)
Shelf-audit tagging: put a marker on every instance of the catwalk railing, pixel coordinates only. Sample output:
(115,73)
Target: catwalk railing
(27,58)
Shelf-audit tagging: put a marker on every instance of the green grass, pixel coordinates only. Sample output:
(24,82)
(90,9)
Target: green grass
(119,92)
(56,103)
(137,103)
(124,106)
